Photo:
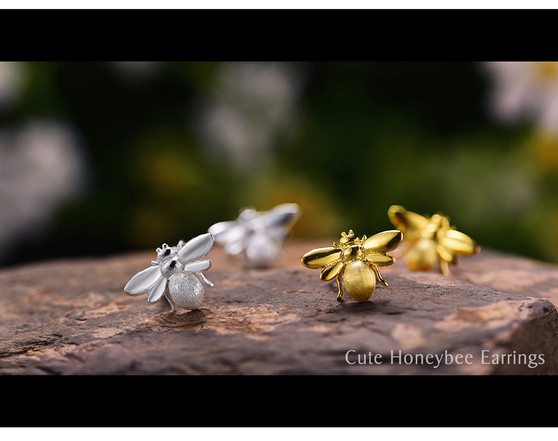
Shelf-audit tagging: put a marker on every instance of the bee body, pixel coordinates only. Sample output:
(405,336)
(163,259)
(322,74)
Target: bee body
(354,262)
(431,240)
(180,268)
(257,236)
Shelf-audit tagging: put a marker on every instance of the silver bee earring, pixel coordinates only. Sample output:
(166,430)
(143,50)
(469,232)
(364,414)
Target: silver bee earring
(258,236)
(181,266)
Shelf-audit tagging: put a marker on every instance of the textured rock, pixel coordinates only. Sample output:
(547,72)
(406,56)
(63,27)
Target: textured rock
(73,317)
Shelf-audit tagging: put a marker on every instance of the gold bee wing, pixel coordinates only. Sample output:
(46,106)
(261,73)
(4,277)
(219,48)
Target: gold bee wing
(380,259)
(407,221)
(458,243)
(376,247)
(321,257)
(445,254)
(332,270)
(383,242)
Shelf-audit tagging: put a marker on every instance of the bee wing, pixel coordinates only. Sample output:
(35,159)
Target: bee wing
(230,234)
(197,266)
(284,216)
(332,270)
(383,242)
(143,280)
(321,257)
(235,242)
(445,254)
(406,220)
(380,259)
(197,247)
(157,290)
(222,228)
(458,243)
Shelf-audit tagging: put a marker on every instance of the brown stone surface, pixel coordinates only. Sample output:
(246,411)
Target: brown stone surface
(73,317)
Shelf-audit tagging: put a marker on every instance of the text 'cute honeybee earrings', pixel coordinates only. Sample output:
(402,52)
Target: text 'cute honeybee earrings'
(181,266)
(428,240)
(354,262)
(257,236)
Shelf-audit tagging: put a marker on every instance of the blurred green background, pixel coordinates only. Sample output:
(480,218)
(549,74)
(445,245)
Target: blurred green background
(105,157)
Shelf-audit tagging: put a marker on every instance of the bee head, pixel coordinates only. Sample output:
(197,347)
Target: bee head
(247,214)
(163,252)
(346,238)
(437,226)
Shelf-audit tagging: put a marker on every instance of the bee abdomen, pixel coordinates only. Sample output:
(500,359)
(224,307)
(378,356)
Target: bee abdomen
(422,256)
(359,280)
(185,291)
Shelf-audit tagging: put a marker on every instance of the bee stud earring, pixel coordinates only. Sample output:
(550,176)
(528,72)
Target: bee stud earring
(354,262)
(181,267)
(428,240)
(258,236)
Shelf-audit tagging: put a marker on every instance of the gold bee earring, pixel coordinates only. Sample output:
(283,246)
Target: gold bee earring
(428,240)
(354,262)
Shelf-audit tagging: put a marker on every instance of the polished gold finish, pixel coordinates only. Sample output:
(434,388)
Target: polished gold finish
(429,240)
(354,262)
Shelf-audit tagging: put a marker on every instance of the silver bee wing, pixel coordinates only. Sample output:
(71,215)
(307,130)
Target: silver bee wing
(143,281)
(229,234)
(279,220)
(222,228)
(197,267)
(157,290)
(197,247)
